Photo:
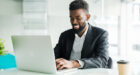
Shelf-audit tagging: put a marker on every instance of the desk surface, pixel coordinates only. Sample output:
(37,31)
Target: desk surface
(99,71)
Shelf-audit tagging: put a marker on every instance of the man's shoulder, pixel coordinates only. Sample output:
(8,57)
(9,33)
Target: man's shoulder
(97,29)
(67,32)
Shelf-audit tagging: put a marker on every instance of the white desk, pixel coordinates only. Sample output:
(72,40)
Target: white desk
(99,71)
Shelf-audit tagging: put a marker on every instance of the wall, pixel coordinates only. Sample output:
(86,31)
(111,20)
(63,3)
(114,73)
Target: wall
(10,20)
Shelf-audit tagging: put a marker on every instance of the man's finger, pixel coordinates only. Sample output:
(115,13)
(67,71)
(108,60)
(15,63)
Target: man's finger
(61,67)
(58,59)
(59,64)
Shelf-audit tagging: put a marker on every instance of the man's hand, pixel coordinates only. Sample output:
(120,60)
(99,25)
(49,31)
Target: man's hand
(66,64)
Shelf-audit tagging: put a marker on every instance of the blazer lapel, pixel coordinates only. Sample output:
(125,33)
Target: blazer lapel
(87,42)
(69,47)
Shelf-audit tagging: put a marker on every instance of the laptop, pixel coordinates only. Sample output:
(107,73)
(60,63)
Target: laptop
(35,53)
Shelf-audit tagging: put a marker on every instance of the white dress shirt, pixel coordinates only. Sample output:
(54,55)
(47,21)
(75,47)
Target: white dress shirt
(77,48)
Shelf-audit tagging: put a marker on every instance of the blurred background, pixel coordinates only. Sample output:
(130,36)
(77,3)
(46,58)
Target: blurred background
(121,18)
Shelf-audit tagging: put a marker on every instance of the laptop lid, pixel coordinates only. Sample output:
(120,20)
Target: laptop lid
(34,53)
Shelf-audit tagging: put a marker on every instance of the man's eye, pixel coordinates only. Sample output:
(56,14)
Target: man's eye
(78,18)
(72,19)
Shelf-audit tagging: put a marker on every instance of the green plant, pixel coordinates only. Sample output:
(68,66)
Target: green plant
(2,50)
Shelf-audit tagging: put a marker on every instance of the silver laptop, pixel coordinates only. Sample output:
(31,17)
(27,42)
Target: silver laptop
(34,53)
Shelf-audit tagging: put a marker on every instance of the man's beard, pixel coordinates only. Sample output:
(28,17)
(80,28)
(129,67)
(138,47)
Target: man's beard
(77,31)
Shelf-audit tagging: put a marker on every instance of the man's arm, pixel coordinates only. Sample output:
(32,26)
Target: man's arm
(59,46)
(99,60)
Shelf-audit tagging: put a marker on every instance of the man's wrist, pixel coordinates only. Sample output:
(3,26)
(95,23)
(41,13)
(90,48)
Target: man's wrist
(81,63)
(75,64)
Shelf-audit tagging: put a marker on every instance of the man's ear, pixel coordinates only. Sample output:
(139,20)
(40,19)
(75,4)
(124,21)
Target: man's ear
(88,17)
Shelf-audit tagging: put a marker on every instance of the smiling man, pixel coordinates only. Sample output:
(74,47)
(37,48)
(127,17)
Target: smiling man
(83,46)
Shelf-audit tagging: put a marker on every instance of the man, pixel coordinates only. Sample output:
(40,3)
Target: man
(83,46)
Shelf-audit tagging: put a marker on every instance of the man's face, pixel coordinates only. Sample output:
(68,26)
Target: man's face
(78,18)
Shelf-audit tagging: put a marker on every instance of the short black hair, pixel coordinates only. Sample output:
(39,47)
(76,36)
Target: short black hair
(79,4)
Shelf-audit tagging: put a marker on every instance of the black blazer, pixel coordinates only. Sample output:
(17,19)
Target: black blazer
(95,48)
